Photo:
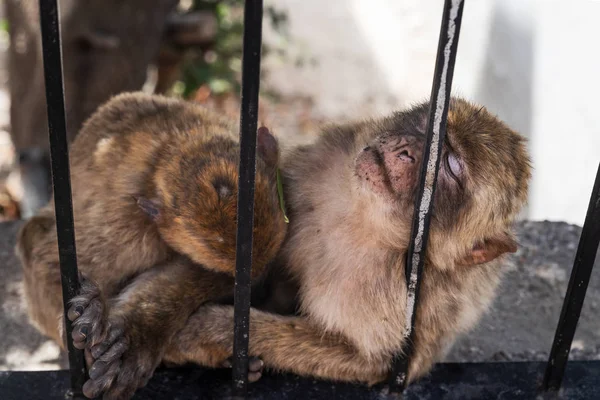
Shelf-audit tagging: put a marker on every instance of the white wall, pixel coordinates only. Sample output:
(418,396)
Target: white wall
(533,62)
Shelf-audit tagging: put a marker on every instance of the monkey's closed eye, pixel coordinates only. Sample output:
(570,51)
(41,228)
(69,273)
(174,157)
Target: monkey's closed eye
(453,167)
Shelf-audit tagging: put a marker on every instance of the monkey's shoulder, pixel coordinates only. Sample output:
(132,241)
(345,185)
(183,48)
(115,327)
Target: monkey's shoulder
(137,122)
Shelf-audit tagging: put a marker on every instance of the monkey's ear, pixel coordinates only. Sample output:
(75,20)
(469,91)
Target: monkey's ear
(489,250)
(267,147)
(150,207)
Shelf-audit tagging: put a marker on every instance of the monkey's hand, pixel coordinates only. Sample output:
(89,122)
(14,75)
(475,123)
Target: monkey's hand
(119,358)
(125,360)
(87,314)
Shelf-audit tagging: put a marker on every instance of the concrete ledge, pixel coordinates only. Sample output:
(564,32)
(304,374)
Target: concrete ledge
(509,380)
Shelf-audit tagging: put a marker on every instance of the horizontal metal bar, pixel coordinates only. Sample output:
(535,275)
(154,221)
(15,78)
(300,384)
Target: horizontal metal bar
(59,154)
(253,12)
(578,283)
(435,134)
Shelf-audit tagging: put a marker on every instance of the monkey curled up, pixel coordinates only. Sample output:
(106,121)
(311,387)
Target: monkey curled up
(350,198)
(155,206)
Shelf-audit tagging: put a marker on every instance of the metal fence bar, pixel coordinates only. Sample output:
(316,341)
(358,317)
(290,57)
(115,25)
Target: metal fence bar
(59,154)
(435,134)
(253,12)
(578,283)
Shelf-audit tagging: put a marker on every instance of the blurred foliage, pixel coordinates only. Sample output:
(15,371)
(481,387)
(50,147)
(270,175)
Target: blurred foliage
(219,67)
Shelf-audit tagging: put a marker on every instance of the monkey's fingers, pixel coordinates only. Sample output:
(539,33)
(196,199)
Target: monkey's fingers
(79,303)
(115,334)
(89,326)
(115,351)
(94,387)
(78,344)
(255,368)
(108,367)
(135,372)
(110,357)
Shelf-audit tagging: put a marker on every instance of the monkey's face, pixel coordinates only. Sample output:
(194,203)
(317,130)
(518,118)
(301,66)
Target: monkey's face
(199,196)
(481,185)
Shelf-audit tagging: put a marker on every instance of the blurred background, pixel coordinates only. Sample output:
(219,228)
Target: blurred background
(532,62)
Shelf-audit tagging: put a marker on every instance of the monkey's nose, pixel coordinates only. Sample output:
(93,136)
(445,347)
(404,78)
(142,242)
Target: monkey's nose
(405,156)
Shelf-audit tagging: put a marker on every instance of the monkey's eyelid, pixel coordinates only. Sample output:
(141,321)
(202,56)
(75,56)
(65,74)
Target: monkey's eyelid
(449,170)
(454,165)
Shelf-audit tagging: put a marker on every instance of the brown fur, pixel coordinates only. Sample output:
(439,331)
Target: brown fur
(154,197)
(347,243)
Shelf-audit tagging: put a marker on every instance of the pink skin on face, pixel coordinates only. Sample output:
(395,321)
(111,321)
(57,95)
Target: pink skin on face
(391,165)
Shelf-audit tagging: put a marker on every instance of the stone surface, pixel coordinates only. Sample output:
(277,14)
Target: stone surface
(465,381)
(520,326)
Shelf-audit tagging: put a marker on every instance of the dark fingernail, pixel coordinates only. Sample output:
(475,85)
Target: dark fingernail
(75,313)
(80,334)
(227,363)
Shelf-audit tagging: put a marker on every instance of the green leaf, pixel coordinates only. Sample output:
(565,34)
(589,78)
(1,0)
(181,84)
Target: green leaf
(280,193)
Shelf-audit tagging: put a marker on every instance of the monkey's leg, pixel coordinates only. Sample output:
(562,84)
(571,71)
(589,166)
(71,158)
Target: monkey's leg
(37,250)
(143,319)
(283,343)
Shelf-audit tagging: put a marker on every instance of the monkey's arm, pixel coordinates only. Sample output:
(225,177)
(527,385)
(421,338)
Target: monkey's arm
(284,343)
(141,321)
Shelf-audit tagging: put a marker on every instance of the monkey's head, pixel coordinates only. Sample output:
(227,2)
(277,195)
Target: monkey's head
(481,185)
(196,204)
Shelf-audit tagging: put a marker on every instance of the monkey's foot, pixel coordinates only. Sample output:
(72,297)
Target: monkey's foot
(255,368)
(87,315)
(120,367)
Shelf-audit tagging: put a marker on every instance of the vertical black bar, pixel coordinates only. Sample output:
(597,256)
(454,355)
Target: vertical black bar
(253,11)
(578,283)
(59,154)
(436,131)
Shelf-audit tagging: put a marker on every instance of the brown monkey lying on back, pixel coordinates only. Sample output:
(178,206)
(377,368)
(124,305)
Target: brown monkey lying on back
(154,196)
(350,202)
